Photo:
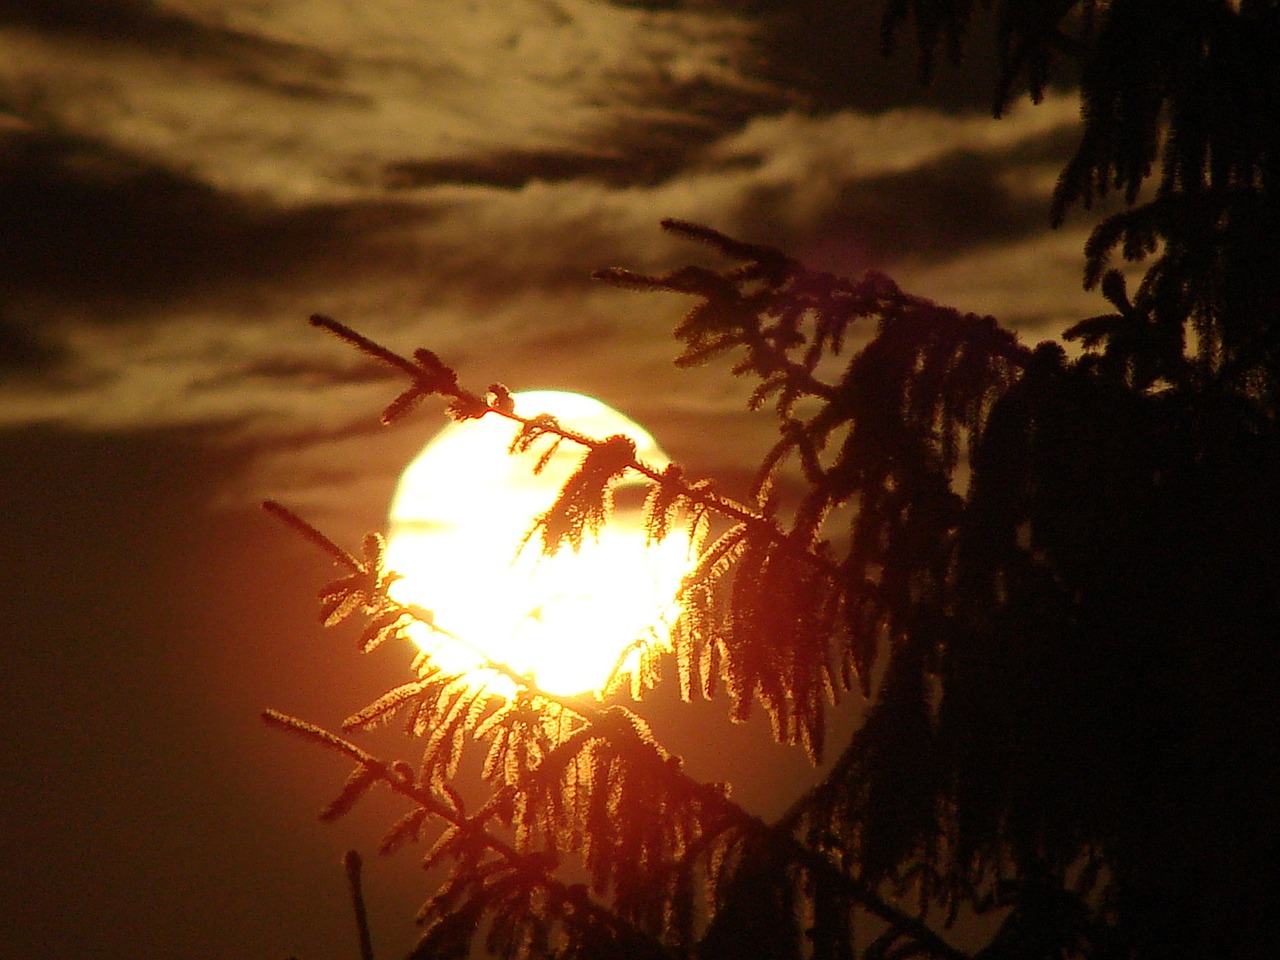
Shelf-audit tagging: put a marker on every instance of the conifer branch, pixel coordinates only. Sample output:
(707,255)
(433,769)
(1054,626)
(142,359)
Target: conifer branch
(731,317)
(571,899)
(311,534)
(472,405)
(819,865)
(467,404)
(365,345)
(602,721)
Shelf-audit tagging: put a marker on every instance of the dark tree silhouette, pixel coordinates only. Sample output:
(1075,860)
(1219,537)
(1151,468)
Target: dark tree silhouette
(1056,580)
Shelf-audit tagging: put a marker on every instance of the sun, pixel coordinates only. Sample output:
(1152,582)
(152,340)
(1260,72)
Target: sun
(460,513)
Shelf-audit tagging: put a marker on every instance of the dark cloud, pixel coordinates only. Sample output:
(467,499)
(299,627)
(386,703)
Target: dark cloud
(646,156)
(132,22)
(685,118)
(934,210)
(83,223)
(118,21)
(511,169)
(655,5)
(959,201)
(302,370)
(24,349)
(142,24)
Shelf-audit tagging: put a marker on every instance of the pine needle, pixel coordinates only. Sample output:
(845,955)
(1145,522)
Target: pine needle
(310,534)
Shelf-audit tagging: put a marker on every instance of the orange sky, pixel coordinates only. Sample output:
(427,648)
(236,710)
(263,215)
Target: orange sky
(182,183)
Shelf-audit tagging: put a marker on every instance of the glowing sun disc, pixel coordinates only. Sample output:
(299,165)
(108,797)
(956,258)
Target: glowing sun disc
(460,512)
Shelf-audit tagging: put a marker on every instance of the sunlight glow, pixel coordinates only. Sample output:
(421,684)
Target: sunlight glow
(460,513)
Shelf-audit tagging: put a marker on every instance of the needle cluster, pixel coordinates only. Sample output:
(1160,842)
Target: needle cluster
(1052,582)
(960,553)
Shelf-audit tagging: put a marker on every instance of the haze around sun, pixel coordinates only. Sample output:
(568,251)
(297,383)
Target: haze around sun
(458,528)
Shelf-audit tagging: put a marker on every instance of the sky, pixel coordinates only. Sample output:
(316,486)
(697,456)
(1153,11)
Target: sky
(182,182)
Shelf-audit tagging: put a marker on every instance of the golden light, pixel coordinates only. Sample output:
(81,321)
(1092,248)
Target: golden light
(459,515)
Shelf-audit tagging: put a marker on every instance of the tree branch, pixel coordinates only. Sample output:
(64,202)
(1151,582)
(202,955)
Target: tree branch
(476,405)
(570,899)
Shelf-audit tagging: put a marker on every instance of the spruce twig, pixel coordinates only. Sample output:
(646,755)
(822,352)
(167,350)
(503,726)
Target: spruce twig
(474,405)
(571,899)
(311,534)
(352,863)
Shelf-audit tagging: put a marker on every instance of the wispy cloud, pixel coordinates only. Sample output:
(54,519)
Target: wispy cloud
(302,101)
(451,181)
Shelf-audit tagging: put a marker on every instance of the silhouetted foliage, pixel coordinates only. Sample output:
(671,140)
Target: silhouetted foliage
(1056,581)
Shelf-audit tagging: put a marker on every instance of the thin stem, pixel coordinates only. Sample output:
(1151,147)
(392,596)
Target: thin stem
(352,862)
(363,343)
(311,534)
